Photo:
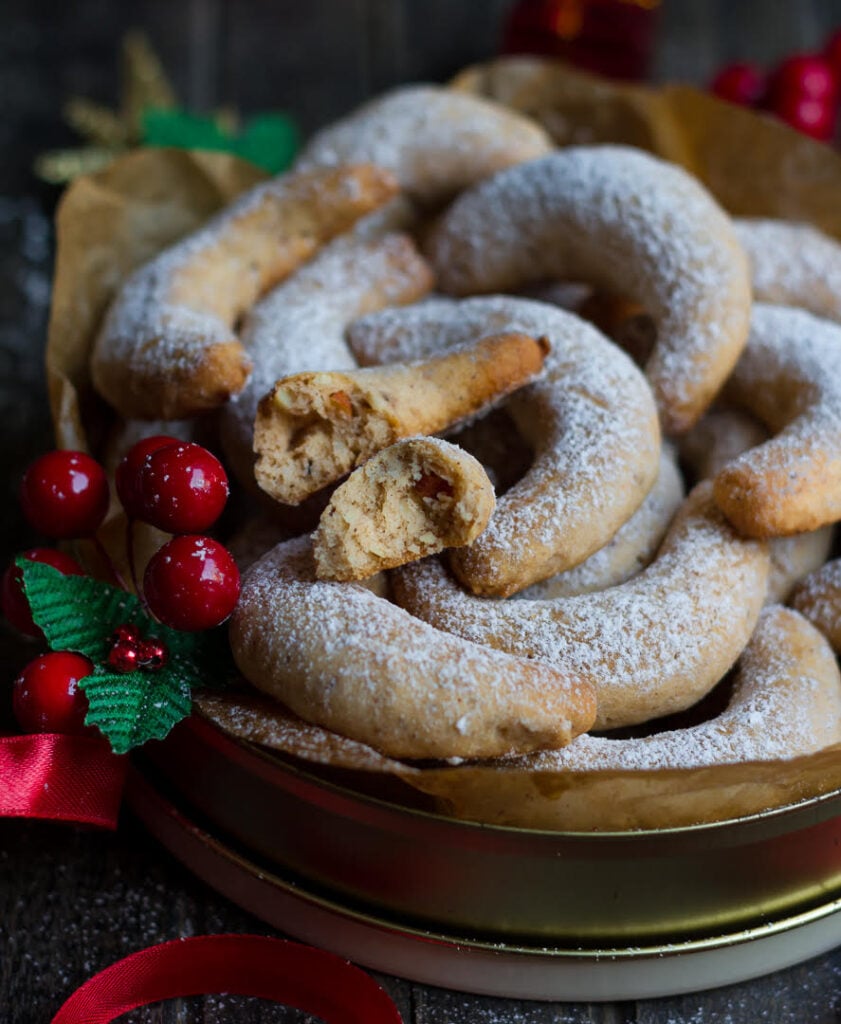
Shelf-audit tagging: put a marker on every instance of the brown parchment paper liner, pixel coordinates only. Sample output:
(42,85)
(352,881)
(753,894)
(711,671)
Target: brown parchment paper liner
(107,224)
(110,222)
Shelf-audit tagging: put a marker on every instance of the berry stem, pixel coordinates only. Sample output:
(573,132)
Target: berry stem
(132,563)
(114,572)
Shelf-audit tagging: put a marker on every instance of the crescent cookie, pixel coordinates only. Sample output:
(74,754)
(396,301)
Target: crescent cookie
(300,324)
(793,264)
(789,377)
(412,499)
(167,348)
(628,223)
(651,646)
(590,420)
(435,141)
(630,549)
(722,435)
(818,597)
(313,428)
(343,658)
(786,701)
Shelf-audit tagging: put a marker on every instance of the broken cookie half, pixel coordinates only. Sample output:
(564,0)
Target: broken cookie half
(412,499)
(315,427)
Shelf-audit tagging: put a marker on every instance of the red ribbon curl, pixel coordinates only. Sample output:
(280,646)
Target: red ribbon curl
(78,779)
(302,977)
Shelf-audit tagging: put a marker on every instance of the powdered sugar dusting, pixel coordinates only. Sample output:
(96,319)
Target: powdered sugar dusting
(632,547)
(338,654)
(154,304)
(793,264)
(435,140)
(790,377)
(653,645)
(627,222)
(144,311)
(176,308)
(590,418)
(300,325)
(783,705)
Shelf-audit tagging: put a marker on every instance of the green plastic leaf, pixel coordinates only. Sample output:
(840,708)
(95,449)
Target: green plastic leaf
(133,707)
(268,140)
(183,130)
(79,613)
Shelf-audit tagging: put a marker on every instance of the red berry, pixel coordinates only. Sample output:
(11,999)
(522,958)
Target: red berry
(812,117)
(46,696)
(65,494)
(127,633)
(152,654)
(182,488)
(126,474)
(191,583)
(12,598)
(124,656)
(742,83)
(803,76)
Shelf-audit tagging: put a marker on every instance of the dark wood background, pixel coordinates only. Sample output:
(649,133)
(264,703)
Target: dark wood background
(73,901)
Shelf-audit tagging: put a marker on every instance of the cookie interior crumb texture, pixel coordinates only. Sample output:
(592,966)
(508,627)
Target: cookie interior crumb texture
(313,428)
(412,499)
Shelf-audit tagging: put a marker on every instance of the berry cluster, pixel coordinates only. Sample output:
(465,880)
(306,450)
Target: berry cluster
(803,90)
(191,583)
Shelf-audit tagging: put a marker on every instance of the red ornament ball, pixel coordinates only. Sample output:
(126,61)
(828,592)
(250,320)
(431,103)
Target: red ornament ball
(191,583)
(741,83)
(46,695)
(805,76)
(65,494)
(809,116)
(12,598)
(128,469)
(182,488)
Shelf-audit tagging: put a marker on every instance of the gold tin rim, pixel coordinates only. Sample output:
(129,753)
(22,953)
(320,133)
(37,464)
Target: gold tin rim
(299,767)
(593,890)
(258,867)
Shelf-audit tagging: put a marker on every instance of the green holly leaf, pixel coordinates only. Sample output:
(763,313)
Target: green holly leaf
(79,613)
(267,140)
(133,707)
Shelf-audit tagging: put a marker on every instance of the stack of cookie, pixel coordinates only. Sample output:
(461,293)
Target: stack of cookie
(505,519)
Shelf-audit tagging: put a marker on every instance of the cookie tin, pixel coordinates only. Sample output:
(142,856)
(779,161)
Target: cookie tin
(467,963)
(508,886)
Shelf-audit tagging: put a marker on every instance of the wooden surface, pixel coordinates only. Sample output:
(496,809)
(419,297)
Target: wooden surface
(73,901)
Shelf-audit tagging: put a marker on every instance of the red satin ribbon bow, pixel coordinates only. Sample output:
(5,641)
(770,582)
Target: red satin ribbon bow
(61,778)
(302,977)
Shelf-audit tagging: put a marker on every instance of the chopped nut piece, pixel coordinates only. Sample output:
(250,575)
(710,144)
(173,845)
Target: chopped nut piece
(341,399)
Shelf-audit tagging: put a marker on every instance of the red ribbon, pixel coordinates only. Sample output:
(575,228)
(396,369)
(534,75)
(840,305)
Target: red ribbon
(61,778)
(78,779)
(302,977)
